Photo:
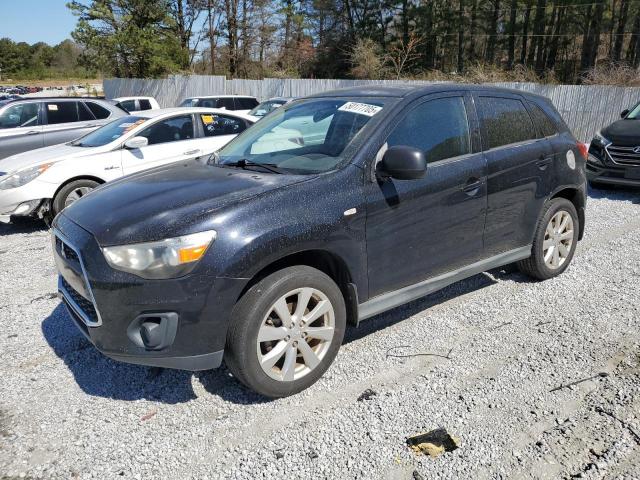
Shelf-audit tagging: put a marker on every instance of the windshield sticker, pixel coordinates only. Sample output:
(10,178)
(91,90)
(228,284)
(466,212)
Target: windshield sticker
(130,126)
(125,125)
(207,119)
(52,106)
(360,108)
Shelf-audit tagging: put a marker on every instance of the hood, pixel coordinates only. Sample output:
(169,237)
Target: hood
(168,201)
(623,132)
(53,153)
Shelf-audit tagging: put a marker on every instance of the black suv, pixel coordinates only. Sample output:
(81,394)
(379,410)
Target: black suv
(614,152)
(328,211)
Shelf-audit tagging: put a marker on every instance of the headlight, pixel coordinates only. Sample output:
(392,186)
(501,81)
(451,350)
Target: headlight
(599,138)
(170,258)
(22,177)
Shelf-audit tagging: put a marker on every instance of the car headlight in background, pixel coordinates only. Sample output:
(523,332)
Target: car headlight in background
(601,139)
(22,177)
(169,258)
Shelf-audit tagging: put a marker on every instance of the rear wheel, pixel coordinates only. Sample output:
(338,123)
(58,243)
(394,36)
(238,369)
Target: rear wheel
(554,242)
(286,331)
(71,193)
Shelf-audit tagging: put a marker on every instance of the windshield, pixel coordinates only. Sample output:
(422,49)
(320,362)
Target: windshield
(635,113)
(306,137)
(266,107)
(110,132)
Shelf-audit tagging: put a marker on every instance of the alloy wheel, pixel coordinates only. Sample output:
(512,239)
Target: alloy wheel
(558,240)
(295,334)
(75,195)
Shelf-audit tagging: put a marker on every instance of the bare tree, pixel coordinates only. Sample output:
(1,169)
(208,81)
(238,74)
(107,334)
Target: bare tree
(401,55)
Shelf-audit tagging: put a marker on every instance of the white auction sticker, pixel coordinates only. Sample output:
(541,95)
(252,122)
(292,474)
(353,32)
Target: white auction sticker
(361,108)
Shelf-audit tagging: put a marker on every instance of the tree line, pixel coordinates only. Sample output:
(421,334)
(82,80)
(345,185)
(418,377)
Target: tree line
(568,41)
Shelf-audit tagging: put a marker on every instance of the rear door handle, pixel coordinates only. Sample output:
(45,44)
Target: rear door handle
(192,152)
(32,132)
(544,163)
(472,186)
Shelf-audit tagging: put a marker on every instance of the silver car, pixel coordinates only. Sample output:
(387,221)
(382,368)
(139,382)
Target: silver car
(30,123)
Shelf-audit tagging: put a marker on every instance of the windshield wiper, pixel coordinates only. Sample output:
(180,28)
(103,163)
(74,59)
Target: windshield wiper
(244,163)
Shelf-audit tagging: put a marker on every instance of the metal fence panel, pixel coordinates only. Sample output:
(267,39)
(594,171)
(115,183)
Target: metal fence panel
(585,108)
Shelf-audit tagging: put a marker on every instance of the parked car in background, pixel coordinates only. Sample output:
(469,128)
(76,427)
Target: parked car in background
(7,97)
(30,123)
(136,104)
(42,182)
(262,255)
(614,152)
(269,106)
(239,103)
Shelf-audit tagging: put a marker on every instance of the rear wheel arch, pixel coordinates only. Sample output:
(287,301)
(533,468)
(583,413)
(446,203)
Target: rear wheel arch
(576,197)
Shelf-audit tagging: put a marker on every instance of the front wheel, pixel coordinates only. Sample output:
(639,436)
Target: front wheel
(286,331)
(555,240)
(71,193)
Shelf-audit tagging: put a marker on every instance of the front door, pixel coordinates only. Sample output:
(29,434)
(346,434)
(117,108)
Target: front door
(417,229)
(170,140)
(20,129)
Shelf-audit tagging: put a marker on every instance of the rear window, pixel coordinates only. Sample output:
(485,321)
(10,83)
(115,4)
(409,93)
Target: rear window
(62,112)
(226,102)
(504,121)
(145,104)
(544,123)
(244,103)
(98,110)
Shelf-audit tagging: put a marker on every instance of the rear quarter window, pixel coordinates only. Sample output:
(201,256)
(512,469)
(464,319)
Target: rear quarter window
(504,121)
(98,110)
(545,125)
(246,103)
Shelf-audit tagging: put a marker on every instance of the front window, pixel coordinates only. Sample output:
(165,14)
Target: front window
(310,136)
(266,107)
(110,132)
(634,114)
(21,115)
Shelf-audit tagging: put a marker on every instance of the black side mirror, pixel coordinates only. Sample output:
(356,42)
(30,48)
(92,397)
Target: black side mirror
(624,112)
(403,163)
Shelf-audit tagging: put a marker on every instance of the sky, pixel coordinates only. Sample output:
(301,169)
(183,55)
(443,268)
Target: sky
(35,21)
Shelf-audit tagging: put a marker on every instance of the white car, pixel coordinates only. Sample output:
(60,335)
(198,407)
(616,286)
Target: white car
(136,104)
(236,103)
(44,181)
(269,106)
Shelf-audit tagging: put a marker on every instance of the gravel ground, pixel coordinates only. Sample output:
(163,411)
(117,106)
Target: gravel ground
(68,412)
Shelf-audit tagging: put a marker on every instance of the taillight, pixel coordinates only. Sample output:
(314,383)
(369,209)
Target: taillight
(584,149)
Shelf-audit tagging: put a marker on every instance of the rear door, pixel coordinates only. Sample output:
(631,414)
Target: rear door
(417,229)
(519,170)
(170,140)
(66,120)
(20,128)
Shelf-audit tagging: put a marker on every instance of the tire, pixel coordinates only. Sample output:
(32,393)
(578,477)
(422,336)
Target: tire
(536,266)
(256,312)
(78,188)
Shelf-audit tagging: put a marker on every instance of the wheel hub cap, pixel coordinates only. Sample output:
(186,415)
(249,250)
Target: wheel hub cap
(558,240)
(295,334)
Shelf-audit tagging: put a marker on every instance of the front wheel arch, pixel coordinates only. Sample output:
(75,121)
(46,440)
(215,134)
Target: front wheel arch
(98,180)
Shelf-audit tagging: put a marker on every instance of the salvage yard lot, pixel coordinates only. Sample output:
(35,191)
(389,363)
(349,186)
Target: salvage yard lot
(66,411)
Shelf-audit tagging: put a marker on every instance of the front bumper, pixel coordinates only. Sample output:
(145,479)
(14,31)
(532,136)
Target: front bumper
(109,306)
(601,169)
(25,200)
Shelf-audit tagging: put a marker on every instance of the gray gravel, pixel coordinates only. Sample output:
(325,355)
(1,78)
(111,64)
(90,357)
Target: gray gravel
(68,412)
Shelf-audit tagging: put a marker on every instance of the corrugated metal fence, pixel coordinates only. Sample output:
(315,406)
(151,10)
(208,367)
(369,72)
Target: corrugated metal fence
(585,108)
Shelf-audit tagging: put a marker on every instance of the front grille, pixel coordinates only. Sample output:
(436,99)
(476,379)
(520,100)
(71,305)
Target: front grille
(86,306)
(625,156)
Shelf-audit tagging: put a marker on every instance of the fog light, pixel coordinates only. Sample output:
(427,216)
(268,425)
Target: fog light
(26,208)
(154,331)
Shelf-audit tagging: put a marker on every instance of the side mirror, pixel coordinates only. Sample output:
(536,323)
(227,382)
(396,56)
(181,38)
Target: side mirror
(403,163)
(136,142)
(624,112)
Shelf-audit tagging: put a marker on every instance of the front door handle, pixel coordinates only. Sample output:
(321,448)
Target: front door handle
(544,163)
(192,152)
(32,132)
(472,186)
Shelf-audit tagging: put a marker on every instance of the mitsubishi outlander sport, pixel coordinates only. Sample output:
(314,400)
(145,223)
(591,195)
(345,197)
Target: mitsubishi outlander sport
(328,211)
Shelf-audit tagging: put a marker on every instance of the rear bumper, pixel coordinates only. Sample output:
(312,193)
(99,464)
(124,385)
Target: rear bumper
(111,308)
